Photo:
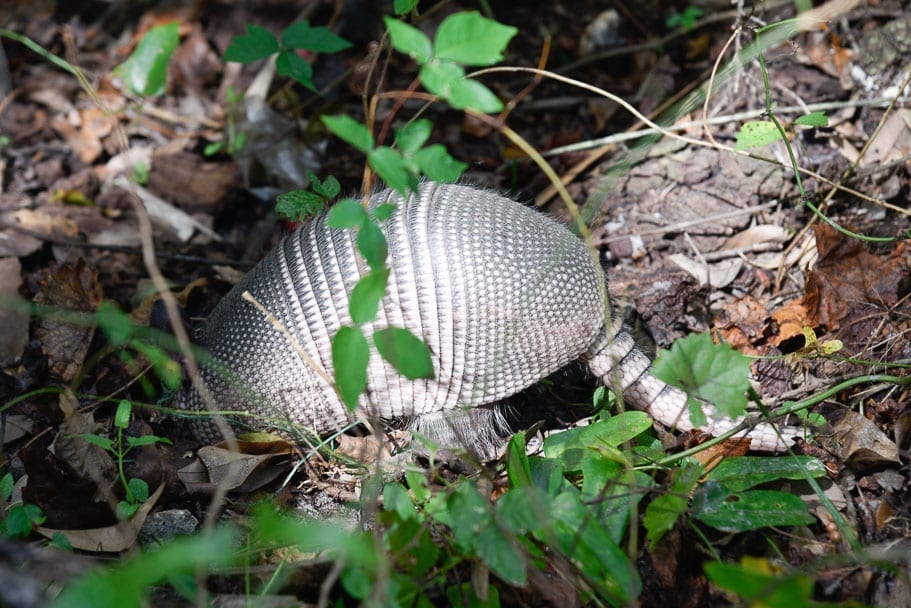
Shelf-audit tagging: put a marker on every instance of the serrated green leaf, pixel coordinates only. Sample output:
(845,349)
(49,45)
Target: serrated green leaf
(438,77)
(367,294)
(470,39)
(743,472)
(145,72)
(257,43)
(730,511)
(328,188)
(318,39)
(122,416)
(292,65)
(371,242)
(406,352)
(468,93)
(391,167)
(298,205)
(409,40)
(412,136)
(436,163)
(139,488)
(756,133)
(349,130)
(350,356)
(704,370)
(347,213)
(813,119)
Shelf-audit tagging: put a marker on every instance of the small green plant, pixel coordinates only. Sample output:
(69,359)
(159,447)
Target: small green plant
(19,519)
(136,491)
(685,20)
(231,142)
(259,43)
(758,133)
(298,205)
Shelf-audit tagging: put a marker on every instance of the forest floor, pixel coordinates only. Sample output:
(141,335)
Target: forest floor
(697,237)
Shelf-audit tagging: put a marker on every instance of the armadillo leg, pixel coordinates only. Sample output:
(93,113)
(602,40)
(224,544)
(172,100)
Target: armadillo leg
(623,368)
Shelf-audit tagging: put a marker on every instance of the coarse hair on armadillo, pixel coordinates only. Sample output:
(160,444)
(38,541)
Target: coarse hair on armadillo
(501,294)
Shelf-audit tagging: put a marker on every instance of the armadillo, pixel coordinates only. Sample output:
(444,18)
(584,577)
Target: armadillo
(501,294)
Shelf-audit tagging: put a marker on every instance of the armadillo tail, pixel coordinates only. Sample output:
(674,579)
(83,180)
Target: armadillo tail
(622,367)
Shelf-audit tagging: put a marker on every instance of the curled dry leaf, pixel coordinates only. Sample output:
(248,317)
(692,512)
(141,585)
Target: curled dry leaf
(69,287)
(859,443)
(238,471)
(13,320)
(109,539)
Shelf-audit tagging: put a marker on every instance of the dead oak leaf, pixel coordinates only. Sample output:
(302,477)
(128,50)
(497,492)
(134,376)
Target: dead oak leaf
(70,287)
(849,281)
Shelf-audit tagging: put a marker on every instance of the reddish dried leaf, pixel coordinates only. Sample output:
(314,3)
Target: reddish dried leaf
(791,319)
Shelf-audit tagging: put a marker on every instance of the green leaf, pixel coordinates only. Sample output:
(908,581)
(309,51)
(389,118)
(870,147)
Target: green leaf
(384,212)
(6,486)
(298,205)
(409,40)
(517,467)
(403,6)
(292,65)
(257,43)
(730,511)
(436,163)
(139,489)
(122,416)
(704,370)
(116,325)
(502,554)
(468,93)
(470,39)
(318,39)
(412,136)
(328,188)
(406,352)
(438,77)
(135,442)
(813,119)
(570,446)
(350,131)
(367,294)
(350,356)
(661,514)
(347,213)
(756,133)
(372,244)
(758,582)
(391,167)
(743,472)
(21,519)
(127,582)
(102,442)
(145,72)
